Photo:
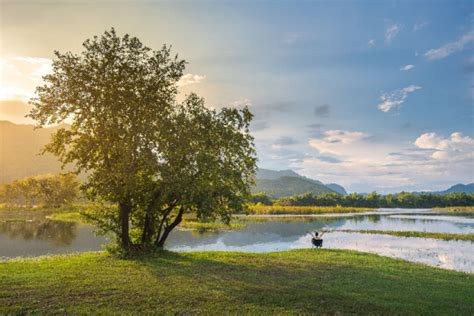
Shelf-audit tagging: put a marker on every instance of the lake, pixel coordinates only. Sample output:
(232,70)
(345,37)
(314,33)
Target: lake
(32,234)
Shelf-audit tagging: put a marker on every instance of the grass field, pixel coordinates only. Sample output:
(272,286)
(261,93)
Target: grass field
(444,236)
(300,281)
(297,210)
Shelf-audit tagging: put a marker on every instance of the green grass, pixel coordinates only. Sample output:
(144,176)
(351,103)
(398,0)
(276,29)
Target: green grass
(66,217)
(444,236)
(259,209)
(456,210)
(300,281)
(74,207)
(209,226)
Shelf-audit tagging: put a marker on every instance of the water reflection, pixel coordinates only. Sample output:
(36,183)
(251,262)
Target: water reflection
(58,233)
(457,219)
(23,234)
(453,255)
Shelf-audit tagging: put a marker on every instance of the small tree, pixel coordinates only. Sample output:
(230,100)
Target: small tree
(261,197)
(50,190)
(153,158)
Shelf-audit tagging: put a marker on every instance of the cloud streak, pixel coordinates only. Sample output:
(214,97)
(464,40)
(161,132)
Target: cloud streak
(24,74)
(407,67)
(391,32)
(396,98)
(450,48)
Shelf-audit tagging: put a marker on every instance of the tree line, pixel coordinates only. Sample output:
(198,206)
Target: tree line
(374,200)
(50,190)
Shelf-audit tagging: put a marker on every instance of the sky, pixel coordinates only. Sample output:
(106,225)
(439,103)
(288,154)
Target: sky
(372,95)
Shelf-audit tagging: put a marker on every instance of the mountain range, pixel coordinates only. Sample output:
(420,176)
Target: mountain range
(457,188)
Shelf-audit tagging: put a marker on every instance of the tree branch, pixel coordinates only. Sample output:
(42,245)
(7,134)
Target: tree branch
(169,228)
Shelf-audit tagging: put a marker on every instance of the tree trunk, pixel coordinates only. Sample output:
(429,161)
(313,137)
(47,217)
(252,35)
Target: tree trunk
(147,229)
(160,242)
(148,225)
(124,217)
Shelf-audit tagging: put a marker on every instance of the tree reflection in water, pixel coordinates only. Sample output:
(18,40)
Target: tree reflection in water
(58,233)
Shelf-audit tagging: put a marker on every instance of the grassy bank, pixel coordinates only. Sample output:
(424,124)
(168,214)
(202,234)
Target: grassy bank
(302,281)
(209,226)
(189,223)
(74,207)
(458,210)
(67,217)
(298,210)
(444,236)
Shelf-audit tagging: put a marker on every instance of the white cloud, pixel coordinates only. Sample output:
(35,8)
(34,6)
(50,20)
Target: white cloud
(407,67)
(450,48)
(411,88)
(334,141)
(364,164)
(396,98)
(188,79)
(456,146)
(391,32)
(371,42)
(20,75)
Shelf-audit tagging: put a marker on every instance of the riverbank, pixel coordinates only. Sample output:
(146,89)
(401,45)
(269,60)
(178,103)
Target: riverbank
(455,210)
(443,236)
(302,281)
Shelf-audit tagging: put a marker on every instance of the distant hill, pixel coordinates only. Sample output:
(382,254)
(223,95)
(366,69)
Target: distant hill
(337,188)
(284,183)
(288,186)
(274,174)
(20,146)
(459,188)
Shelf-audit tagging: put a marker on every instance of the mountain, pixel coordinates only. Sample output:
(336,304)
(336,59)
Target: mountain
(20,146)
(288,186)
(337,188)
(274,174)
(284,183)
(459,188)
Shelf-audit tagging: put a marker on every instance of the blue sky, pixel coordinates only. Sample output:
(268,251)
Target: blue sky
(374,95)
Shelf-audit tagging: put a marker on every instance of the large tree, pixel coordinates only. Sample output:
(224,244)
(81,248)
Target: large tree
(145,153)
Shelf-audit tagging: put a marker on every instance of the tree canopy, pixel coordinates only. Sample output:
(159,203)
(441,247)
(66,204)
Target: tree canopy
(152,157)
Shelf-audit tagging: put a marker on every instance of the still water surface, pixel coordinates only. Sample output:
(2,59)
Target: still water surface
(31,234)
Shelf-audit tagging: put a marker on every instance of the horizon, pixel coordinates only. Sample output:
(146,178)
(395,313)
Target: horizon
(371,96)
